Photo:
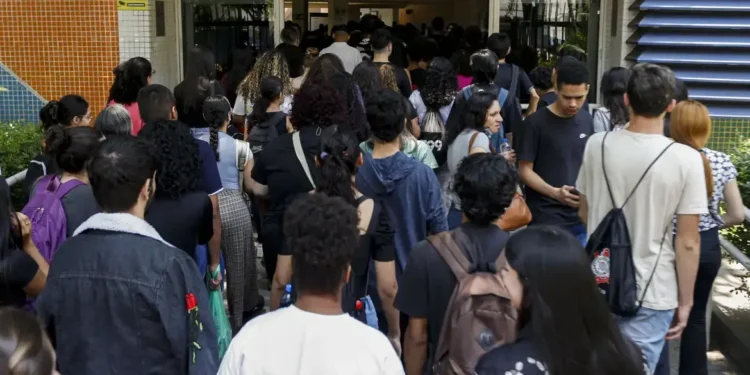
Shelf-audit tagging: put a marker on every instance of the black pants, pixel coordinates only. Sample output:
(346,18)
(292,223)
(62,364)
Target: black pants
(693,359)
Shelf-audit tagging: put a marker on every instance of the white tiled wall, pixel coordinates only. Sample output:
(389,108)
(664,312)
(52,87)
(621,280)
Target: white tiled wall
(138,38)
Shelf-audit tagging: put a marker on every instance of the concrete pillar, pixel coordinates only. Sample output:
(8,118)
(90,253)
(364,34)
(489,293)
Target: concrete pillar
(300,13)
(354,12)
(494,24)
(395,15)
(338,12)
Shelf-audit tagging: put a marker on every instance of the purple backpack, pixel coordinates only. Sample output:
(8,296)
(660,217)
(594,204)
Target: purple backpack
(45,210)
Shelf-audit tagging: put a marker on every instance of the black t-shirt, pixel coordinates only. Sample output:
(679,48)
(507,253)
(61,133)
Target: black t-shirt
(16,272)
(184,222)
(79,205)
(418,77)
(278,168)
(401,79)
(555,145)
(41,165)
(505,75)
(427,283)
(295,58)
(193,116)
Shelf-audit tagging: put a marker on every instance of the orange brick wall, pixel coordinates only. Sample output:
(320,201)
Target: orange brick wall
(61,47)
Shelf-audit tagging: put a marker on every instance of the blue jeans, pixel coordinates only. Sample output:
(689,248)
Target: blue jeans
(579,231)
(647,330)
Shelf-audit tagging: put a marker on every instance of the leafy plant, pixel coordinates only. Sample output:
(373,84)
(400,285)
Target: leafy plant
(739,236)
(19,143)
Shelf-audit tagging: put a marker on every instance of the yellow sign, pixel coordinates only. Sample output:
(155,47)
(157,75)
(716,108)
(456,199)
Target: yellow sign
(132,5)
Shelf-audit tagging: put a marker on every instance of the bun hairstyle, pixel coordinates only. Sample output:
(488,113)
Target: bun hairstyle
(71,147)
(216,111)
(339,153)
(63,111)
(26,348)
(130,77)
(271,89)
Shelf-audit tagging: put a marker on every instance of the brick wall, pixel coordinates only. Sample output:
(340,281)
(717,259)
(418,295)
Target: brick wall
(56,47)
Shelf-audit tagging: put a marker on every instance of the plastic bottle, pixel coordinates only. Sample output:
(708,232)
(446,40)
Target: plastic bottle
(286,299)
(505,146)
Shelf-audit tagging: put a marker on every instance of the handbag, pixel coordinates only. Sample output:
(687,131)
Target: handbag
(517,215)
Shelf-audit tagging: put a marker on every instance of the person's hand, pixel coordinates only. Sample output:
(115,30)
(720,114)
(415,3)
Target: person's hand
(395,340)
(510,156)
(566,196)
(214,283)
(679,322)
(25,225)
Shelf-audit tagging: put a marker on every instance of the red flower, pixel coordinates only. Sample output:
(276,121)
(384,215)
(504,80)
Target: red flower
(190,301)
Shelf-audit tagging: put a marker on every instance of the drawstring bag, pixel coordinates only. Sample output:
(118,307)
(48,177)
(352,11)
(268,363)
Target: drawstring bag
(223,328)
(433,134)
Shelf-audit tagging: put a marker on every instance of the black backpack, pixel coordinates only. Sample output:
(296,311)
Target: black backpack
(263,133)
(611,253)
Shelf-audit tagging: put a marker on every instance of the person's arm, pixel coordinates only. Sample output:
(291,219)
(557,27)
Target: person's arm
(258,181)
(437,220)
(247,175)
(527,86)
(214,244)
(415,130)
(735,214)
(384,255)
(693,203)
(415,346)
(281,277)
(413,300)
(239,112)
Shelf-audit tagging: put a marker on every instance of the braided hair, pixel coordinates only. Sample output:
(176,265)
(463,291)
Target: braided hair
(216,111)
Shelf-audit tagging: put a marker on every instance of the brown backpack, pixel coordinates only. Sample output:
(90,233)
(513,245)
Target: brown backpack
(479,316)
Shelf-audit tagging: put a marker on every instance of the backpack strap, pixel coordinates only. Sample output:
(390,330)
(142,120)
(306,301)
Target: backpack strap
(467,92)
(474,138)
(502,96)
(62,189)
(301,157)
(446,246)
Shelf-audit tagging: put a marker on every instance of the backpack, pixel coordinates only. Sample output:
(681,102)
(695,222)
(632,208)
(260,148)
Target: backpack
(263,133)
(355,299)
(45,210)
(611,253)
(479,316)
(433,134)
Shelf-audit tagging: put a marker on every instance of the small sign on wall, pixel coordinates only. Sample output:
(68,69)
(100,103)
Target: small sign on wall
(132,5)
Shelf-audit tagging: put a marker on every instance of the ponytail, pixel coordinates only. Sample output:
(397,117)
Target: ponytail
(271,88)
(216,111)
(339,154)
(48,114)
(708,174)
(63,112)
(259,114)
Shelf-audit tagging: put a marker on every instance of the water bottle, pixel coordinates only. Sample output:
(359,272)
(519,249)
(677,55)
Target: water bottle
(505,147)
(286,299)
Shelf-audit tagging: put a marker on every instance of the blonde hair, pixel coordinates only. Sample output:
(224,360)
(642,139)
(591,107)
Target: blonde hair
(271,63)
(690,125)
(388,77)
(26,350)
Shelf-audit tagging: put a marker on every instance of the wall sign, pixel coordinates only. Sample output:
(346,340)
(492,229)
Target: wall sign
(132,5)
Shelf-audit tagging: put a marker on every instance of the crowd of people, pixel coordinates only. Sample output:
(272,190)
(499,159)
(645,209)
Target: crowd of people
(413,217)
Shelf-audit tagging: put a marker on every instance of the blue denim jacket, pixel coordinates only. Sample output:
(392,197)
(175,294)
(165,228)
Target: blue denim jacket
(115,303)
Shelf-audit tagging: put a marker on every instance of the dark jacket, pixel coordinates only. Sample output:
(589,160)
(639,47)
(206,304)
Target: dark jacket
(411,193)
(116,302)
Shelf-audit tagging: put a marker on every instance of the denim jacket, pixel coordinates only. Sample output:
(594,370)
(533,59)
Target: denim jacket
(121,300)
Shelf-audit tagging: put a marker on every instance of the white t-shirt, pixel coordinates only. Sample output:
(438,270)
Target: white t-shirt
(674,185)
(350,56)
(290,341)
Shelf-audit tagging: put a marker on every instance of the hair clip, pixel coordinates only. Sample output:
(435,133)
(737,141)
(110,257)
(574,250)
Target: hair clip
(323,154)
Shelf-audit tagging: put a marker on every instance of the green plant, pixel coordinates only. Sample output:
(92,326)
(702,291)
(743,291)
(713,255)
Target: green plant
(739,236)
(19,143)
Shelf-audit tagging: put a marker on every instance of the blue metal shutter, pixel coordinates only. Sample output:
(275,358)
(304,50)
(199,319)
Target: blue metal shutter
(705,42)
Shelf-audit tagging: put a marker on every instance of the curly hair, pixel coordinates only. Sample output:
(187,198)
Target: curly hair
(485,184)
(441,84)
(388,77)
(324,68)
(271,63)
(177,156)
(321,233)
(367,76)
(216,110)
(130,77)
(339,153)
(318,104)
